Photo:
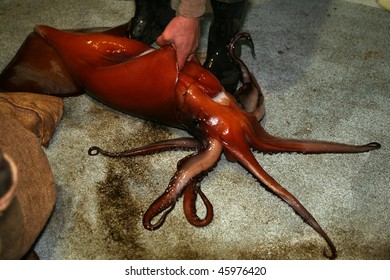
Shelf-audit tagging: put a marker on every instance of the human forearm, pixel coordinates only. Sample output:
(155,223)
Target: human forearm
(192,8)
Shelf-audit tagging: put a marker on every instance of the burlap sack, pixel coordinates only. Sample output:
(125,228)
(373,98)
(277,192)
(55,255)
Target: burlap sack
(37,113)
(8,181)
(27,121)
(11,216)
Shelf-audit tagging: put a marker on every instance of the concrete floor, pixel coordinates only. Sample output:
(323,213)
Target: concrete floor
(324,67)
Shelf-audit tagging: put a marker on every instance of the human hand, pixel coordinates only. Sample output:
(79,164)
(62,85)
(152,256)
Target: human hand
(183,33)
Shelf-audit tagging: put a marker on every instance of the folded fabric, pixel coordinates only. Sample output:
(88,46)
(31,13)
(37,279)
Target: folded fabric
(8,181)
(27,199)
(37,113)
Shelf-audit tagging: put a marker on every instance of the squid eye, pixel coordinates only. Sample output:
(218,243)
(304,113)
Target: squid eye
(195,122)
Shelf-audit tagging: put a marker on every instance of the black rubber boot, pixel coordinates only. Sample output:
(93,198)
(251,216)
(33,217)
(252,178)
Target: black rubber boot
(227,21)
(149,20)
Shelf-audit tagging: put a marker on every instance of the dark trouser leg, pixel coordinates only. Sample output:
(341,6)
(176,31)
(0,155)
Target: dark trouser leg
(149,20)
(227,21)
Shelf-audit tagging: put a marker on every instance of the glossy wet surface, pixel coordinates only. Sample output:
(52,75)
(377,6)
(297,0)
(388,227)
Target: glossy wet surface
(323,67)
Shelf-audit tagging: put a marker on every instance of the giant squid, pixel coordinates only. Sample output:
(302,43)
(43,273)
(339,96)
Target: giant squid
(143,81)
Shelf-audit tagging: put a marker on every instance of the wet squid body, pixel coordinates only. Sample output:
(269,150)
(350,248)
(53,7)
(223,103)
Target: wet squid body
(144,82)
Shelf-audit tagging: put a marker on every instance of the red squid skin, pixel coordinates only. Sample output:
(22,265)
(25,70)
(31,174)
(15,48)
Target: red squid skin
(134,78)
(37,67)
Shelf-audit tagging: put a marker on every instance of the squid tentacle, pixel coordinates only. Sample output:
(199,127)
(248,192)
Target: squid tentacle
(246,77)
(185,143)
(190,195)
(267,143)
(249,95)
(188,168)
(247,159)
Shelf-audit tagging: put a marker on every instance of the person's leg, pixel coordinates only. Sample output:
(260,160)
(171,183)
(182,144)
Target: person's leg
(228,16)
(149,20)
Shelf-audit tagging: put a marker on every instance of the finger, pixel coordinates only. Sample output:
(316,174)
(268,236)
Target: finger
(180,61)
(161,41)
